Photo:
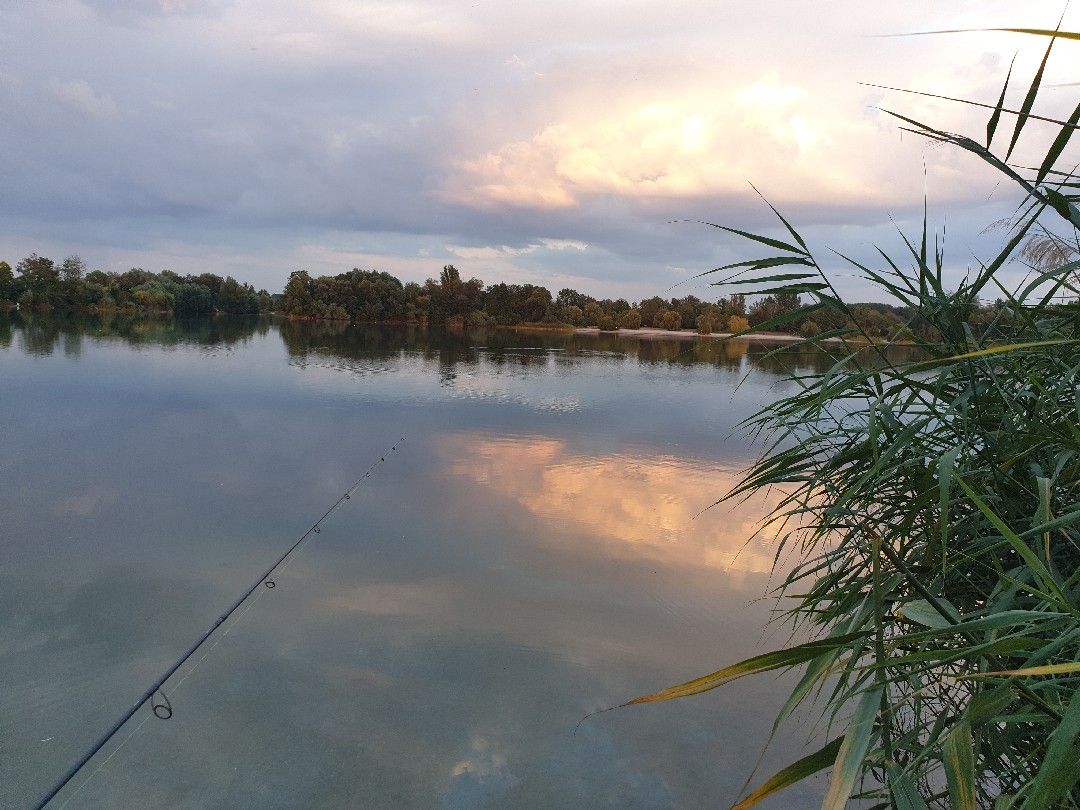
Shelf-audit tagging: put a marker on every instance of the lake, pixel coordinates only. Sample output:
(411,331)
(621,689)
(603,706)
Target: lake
(537,548)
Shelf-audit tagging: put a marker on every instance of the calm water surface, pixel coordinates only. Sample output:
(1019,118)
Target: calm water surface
(536,550)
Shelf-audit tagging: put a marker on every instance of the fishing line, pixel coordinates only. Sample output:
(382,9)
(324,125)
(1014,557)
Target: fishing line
(156,694)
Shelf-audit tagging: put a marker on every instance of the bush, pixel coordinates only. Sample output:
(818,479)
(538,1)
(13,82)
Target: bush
(705,324)
(669,319)
(152,296)
(631,319)
(607,323)
(476,319)
(592,314)
(737,323)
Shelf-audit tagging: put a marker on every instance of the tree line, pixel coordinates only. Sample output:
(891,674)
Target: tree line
(39,283)
(371,296)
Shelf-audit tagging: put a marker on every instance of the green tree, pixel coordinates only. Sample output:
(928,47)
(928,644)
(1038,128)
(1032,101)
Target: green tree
(42,279)
(72,269)
(192,299)
(452,298)
(236,298)
(449,280)
(571,298)
(73,293)
(735,304)
(153,296)
(537,304)
(297,301)
(210,281)
(652,309)
(7,280)
(689,308)
(669,319)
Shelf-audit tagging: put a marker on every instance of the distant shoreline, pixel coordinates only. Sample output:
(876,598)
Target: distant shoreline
(688,334)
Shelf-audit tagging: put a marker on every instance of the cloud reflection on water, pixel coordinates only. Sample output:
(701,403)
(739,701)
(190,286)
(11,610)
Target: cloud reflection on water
(636,506)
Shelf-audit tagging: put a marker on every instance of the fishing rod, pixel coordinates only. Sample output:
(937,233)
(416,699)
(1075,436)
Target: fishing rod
(159,701)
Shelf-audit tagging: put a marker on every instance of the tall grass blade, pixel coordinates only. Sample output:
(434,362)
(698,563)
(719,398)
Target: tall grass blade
(959,758)
(1071,668)
(778,659)
(905,796)
(995,116)
(1060,769)
(793,773)
(1029,99)
(849,759)
(1058,146)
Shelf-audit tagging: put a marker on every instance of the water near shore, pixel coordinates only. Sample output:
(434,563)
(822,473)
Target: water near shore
(534,552)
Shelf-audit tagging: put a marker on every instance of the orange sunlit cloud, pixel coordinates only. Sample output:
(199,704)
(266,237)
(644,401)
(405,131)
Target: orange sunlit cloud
(695,142)
(629,507)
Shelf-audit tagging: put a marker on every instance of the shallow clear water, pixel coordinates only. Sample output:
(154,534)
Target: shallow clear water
(534,551)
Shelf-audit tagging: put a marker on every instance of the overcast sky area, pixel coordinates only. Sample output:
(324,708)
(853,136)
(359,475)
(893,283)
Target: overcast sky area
(549,143)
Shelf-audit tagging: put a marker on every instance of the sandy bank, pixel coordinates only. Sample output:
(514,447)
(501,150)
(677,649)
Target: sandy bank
(689,334)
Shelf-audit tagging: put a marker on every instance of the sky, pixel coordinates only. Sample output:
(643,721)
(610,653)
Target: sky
(567,143)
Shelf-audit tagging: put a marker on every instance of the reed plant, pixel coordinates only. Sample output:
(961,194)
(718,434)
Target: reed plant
(934,507)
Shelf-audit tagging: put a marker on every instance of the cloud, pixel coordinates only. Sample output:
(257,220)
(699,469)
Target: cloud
(702,141)
(379,599)
(480,778)
(263,131)
(88,502)
(132,11)
(564,244)
(504,251)
(489,251)
(79,97)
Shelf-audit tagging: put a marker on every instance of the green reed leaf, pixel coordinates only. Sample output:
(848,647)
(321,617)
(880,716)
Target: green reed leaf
(1029,99)
(905,795)
(1058,146)
(959,757)
(778,659)
(991,125)
(849,759)
(793,773)
(1067,668)
(1059,772)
